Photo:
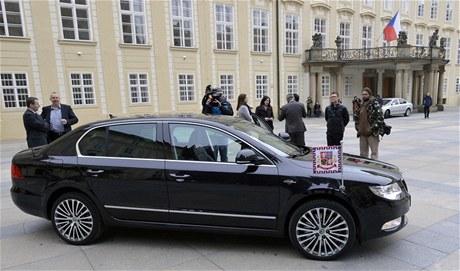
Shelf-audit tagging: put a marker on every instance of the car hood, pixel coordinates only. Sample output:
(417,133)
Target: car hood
(357,168)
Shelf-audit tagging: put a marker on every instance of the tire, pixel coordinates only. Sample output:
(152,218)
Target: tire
(322,230)
(387,114)
(407,113)
(76,219)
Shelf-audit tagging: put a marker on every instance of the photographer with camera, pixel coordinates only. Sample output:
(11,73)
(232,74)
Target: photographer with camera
(216,103)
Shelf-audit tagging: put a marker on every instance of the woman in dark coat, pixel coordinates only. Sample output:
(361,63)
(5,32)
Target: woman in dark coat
(265,111)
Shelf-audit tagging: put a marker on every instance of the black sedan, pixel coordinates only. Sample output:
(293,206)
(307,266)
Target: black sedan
(205,172)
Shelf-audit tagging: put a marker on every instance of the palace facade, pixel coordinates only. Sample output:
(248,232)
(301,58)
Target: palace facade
(131,57)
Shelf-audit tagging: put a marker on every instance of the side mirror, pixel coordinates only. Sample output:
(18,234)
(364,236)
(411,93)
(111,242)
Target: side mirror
(248,156)
(284,136)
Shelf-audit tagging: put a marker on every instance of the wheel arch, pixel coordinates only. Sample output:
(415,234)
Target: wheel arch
(331,197)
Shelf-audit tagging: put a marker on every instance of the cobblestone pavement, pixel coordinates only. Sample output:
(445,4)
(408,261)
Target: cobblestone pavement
(427,151)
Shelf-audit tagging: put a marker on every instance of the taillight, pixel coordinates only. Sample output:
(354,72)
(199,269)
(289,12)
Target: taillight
(16,172)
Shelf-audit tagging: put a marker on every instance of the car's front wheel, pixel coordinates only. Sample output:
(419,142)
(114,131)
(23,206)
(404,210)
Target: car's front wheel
(322,229)
(387,114)
(407,113)
(76,219)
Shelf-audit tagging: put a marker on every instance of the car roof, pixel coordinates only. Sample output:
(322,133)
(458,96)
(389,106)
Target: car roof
(193,117)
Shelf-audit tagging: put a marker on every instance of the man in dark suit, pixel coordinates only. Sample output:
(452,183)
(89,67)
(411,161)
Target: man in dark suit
(293,112)
(36,127)
(59,116)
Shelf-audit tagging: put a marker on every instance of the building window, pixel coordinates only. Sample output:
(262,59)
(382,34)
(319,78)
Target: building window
(133,21)
(345,35)
(75,19)
(10,19)
(15,89)
(458,51)
(457,85)
(405,6)
(388,4)
(420,8)
(348,86)
(326,85)
(447,46)
(419,40)
(224,27)
(449,10)
(367,36)
(292,85)
(434,9)
(292,34)
(320,27)
(261,86)
(139,87)
(368,3)
(82,88)
(227,86)
(260,30)
(182,23)
(186,85)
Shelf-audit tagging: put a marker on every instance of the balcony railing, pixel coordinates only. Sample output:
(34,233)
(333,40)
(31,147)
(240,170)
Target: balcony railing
(372,54)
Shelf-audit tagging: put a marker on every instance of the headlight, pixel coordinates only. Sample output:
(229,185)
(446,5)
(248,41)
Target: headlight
(391,191)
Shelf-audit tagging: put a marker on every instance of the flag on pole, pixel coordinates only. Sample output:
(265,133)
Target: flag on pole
(392,29)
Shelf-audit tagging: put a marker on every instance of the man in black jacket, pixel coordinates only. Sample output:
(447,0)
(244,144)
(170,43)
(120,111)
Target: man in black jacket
(59,116)
(337,118)
(36,127)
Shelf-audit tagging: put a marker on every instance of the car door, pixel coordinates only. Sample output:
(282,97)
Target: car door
(207,187)
(402,105)
(395,107)
(124,167)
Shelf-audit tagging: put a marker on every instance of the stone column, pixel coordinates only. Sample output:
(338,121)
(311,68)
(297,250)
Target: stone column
(339,84)
(404,84)
(440,84)
(319,86)
(421,87)
(398,85)
(415,85)
(380,82)
(312,93)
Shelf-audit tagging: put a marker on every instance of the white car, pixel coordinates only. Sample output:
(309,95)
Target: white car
(396,106)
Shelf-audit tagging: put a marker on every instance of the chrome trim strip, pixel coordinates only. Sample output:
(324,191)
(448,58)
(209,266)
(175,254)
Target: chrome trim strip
(188,212)
(220,214)
(211,162)
(136,209)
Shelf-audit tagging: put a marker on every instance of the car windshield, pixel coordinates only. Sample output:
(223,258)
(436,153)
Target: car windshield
(385,101)
(267,138)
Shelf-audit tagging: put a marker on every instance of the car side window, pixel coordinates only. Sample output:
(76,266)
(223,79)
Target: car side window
(199,143)
(94,143)
(128,140)
(401,101)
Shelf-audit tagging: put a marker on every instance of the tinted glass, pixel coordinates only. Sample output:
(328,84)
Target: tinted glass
(198,143)
(93,144)
(134,141)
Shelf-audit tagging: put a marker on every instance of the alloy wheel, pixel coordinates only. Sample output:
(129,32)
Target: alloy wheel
(73,220)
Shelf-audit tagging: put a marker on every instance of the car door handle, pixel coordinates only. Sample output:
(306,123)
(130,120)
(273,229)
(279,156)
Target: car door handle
(179,178)
(97,171)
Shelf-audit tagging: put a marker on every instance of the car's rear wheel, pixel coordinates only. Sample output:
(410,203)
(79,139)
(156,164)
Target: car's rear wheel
(322,229)
(76,219)
(407,113)
(387,114)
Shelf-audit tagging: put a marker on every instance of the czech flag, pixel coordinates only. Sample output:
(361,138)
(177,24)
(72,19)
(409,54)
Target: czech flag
(392,29)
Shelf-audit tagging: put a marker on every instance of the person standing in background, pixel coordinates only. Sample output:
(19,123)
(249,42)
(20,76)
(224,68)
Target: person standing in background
(427,102)
(265,111)
(337,119)
(60,117)
(36,127)
(293,112)
(242,108)
(369,122)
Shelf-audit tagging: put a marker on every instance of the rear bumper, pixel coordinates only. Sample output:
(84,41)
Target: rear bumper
(27,202)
